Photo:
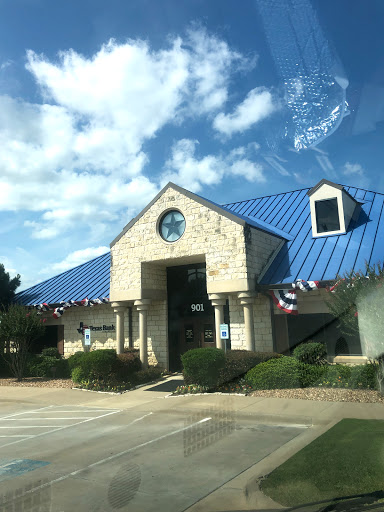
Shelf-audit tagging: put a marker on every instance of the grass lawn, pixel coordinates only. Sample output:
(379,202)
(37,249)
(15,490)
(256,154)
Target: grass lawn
(347,460)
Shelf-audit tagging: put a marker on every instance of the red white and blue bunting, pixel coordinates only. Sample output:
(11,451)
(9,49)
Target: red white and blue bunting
(286,300)
(59,311)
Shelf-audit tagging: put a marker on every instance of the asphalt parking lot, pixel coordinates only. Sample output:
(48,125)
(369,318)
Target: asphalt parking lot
(62,457)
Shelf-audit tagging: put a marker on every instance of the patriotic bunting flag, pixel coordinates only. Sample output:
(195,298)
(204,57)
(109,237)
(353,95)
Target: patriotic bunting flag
(58,312)
(286,300)
(306,286)
(64,305)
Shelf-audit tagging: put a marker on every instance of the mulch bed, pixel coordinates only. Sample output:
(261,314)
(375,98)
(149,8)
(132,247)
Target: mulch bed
(38,382)
(324,394)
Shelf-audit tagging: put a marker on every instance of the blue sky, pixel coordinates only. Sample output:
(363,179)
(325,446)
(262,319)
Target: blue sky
(102,103)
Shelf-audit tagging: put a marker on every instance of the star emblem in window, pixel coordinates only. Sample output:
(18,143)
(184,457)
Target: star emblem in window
(172,226)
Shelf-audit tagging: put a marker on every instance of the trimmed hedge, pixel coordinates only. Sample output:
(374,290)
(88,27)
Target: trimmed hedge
(310,353)
(363,376)
(41,366)
(238,362)
(312,375)
(51,352)
(284,372)
(127,364)
(98,364)
(74,360)
(202,366)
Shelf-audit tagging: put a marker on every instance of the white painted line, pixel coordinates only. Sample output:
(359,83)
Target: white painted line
(25,412)
(19,435)
(85,410)
(34,426)
(49,418)
(56,429)
(112,457)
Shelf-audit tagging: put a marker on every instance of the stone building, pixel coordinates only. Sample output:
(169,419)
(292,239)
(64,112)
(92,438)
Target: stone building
(185,265)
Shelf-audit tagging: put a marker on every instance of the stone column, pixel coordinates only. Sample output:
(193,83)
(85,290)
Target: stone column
(142,307)
(246,300)
(218,302)
(119,310)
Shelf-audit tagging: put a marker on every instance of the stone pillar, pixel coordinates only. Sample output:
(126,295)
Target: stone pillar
(218,302)
(120,311)
(246,300)
(142,307)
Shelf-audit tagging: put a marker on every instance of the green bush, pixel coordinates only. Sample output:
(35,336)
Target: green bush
(238,362)
(280,373)
(74,360)
(202,366)
(77,375)
(311,375)
(127,364)
(42,367)
(51,352)
(143,376)
(363,376)
(310,353)
(337,376)
(98,364)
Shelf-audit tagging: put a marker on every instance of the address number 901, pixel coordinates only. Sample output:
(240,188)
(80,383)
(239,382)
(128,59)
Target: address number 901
(197,307)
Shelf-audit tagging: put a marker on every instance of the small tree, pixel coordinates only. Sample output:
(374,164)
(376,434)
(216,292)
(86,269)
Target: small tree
(358,301)
(19,328)
(7,286)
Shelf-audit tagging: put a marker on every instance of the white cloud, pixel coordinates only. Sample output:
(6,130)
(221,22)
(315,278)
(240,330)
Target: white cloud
(187,170)
(74,259)
(258,105)
(353,169)
(77,157)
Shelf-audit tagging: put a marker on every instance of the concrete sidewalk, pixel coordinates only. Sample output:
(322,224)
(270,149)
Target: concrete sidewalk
(241,493)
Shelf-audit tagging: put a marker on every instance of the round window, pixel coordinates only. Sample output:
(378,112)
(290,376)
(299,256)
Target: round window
(172,226)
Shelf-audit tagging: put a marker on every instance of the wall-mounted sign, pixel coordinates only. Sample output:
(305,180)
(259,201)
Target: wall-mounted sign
(87,336)
(95,328)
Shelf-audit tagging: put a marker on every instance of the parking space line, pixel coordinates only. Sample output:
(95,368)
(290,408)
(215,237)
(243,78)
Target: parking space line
(25,412)
(57,429)
(18,435)
(49,418)
(112,457)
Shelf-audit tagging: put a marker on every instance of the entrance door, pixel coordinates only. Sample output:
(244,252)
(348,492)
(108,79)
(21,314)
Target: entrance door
(190,312)
(197,332)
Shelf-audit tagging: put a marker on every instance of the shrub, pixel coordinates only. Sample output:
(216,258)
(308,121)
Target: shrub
(238,362)
(201,366)
(310,353)
(148,375)
(74,360)
(98,363)
(42,367)
(51,352)
(311,374)
(337,375)
(127,364)
(280,373)
(77,375)
(363,376)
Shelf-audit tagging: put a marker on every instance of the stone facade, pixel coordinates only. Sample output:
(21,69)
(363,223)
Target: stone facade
(234,254)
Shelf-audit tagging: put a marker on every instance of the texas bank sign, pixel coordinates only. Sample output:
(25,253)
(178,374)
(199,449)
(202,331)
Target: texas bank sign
(95,328)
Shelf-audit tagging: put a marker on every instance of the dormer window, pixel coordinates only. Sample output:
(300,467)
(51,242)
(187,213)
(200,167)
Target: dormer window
(332,209)
(327,215)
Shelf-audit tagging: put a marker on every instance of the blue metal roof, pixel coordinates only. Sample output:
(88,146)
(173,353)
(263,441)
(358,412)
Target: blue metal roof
(318,259)
(90,280)
(286,215)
